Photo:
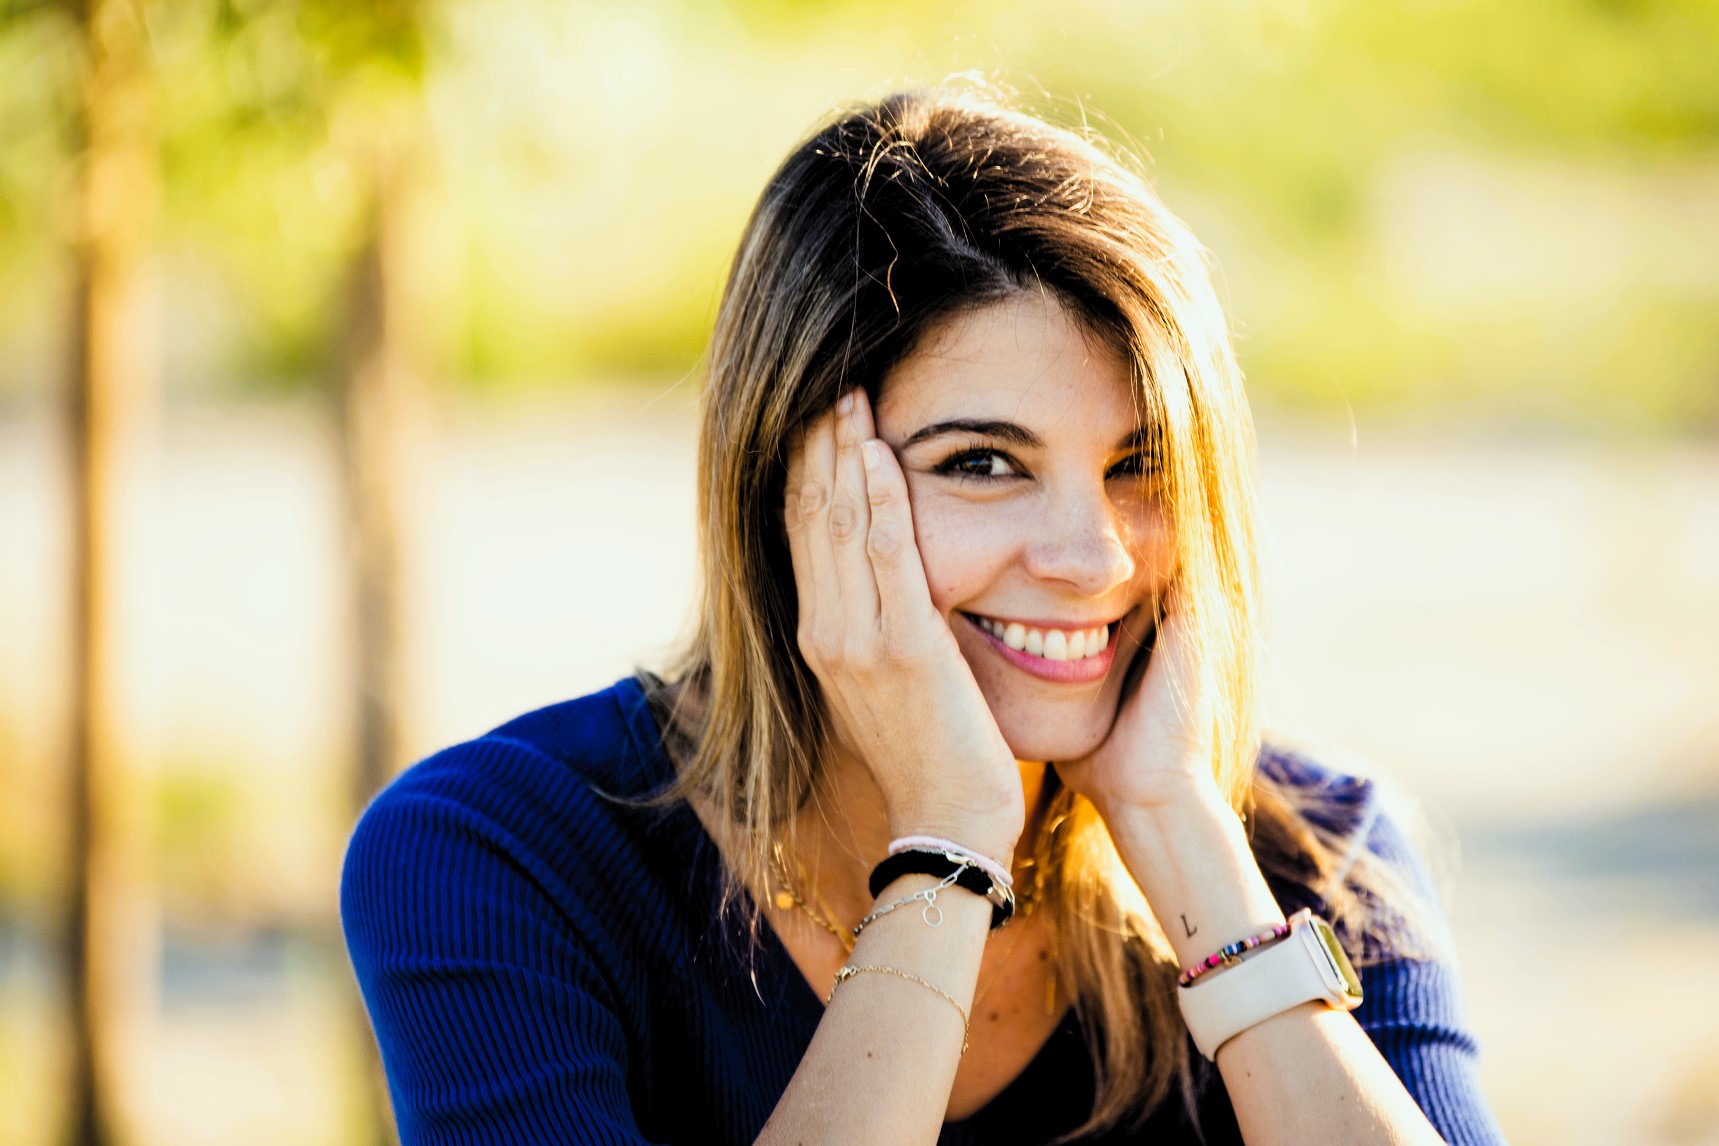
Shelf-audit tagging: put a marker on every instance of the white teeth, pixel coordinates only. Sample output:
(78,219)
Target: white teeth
(1051,644)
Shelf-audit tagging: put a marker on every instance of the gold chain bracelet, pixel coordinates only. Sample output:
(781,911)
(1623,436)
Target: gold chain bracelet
(849,972)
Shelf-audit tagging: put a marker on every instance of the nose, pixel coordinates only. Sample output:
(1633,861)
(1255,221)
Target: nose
(1081,542)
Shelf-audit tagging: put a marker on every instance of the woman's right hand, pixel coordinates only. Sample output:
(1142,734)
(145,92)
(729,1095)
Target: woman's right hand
(898,692)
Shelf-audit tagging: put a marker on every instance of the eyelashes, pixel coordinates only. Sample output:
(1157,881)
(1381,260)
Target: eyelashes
(989,464)
(1138,464)
(978,463)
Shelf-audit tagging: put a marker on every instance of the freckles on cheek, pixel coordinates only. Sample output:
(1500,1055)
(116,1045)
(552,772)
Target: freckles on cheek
(941,578)
(957,561)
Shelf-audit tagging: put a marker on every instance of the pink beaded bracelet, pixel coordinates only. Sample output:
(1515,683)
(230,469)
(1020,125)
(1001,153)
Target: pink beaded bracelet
(1224,956)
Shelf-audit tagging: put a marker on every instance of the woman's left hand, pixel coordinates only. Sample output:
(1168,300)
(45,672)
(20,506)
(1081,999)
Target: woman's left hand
(1160,750)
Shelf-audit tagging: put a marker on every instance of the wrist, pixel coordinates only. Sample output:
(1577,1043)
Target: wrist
(1170,796)
(1193,863)
(992,837)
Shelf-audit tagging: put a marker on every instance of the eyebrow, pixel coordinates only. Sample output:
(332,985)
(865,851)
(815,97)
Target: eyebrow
(1011,432)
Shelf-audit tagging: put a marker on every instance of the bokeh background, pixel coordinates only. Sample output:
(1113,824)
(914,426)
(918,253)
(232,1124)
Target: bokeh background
(348,360)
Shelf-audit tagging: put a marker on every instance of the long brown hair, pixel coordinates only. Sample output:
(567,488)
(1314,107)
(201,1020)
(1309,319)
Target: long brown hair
(890,217)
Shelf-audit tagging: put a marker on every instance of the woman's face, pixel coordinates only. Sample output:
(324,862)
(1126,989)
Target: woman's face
(1035,510)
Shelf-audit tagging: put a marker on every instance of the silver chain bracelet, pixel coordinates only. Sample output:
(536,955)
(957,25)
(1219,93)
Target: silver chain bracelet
(929,895)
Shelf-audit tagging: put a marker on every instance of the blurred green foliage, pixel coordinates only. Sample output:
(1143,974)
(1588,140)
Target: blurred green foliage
(1511,207)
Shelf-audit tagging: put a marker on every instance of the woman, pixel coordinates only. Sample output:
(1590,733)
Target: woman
(979,589)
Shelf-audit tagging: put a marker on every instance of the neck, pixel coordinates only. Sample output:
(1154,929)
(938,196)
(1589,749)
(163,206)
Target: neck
(844,830)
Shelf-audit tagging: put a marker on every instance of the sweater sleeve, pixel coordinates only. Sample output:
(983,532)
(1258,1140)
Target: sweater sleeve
(494,1022)
(1413,1012)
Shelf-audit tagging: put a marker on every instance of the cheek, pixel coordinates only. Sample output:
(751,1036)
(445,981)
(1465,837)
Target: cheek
(956,561)
(964,549)
(1151,543)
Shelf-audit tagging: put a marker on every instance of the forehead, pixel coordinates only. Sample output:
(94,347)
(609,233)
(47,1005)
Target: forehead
(1024,359)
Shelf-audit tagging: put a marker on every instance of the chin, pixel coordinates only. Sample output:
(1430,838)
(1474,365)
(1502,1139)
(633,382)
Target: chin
(1048,736)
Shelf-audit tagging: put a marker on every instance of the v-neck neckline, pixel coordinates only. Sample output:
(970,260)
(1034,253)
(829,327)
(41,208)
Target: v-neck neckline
(809,1011)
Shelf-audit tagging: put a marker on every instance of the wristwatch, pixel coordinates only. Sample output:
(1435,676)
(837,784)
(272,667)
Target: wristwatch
(1307,964)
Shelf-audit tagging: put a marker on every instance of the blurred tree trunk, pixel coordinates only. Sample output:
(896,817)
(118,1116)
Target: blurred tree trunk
(376,406)
(110,940)
(379,409)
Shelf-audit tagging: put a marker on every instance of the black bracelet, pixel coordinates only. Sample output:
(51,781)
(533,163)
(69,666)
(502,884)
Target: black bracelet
(942,865)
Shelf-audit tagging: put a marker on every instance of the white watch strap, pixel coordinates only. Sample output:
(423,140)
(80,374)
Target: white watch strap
(1292,971)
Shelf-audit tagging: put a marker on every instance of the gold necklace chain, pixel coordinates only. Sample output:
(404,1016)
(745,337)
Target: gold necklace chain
(786,897)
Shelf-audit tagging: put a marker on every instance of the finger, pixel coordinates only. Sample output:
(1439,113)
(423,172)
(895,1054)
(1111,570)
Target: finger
(904,596)
(798,554)
(850,515)
(820,603)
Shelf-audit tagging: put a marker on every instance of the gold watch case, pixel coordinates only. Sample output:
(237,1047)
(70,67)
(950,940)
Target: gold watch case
(1335,968)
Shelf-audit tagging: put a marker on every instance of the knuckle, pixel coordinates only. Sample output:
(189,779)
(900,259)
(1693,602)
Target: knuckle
(883,542)
(834,656)
(844,520)
(818,640)
(814,500)
(880,494)
(812,633)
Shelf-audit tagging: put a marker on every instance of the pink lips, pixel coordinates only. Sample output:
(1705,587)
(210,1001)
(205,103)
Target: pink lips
(1083,671)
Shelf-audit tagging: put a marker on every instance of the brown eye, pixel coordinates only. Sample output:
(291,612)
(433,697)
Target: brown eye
(1135,465)
(983,464)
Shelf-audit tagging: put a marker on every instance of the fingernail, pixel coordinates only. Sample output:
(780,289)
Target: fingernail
(869,453)
(845,404)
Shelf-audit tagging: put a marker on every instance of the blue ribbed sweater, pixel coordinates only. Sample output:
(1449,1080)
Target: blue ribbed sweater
(541,965)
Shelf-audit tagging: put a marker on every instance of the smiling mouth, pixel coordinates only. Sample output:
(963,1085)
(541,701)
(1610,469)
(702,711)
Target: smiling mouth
(1051,644)
(1060,656)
